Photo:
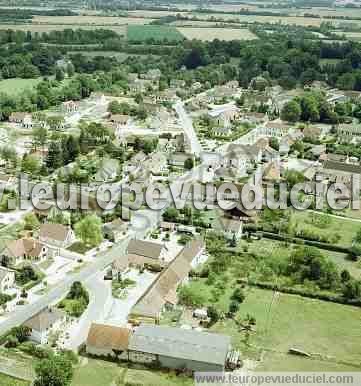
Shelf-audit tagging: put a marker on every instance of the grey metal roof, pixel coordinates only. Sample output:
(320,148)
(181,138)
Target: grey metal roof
(182,344)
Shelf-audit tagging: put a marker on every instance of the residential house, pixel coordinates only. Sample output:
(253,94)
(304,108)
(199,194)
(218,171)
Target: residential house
(108,170)
(7,279)
(44,323)
(119,123)
(222,131)
(108,341)
(275,129)
(152,74)
(23,119)
(157,164)
(285,144)
(56,235)
(232,84)
(349,133)
(178,159)
(24,249)
(272,172)
(176,348)
(224,115)
(167,226)
(139,86)
(339,172)
(312,133)
(147,249)
(120,266)
(243,157)
(70,106)
(231,228)
(8,181)
(255,118)
(177,83)
(167,96)
(115,230)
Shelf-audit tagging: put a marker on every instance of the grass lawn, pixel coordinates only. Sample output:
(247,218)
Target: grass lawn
(159,33)
(344,227)
(16,86)
(10,381)
(79,247)
(95,372)
(328,330)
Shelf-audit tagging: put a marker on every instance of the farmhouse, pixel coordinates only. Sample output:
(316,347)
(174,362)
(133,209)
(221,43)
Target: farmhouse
(162,292)
(176,348)
(275,129)
(169,347)
(106,340)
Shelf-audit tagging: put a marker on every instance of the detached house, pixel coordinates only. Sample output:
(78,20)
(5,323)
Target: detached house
(7,279)
(70,106)
(24,249)
(43,323)
(146,251)
(23,119)
(56,235)
(225,115)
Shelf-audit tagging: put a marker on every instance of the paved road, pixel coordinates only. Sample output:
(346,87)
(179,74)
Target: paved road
(187,124)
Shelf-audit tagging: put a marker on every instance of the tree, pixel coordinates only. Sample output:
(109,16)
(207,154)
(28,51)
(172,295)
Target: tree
(54,371)
(190,296)
(274,143)
(171,214)
(89,230)
(233,307)
(54,159)
(291,111)
(30,164)
(31,221)
(213,314)
(70,70)
(238,295)
(59,75)
(357,237)
(189,164)
(40,135)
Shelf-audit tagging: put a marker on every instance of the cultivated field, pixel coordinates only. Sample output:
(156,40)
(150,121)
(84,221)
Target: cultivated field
(217,33)
(143,33)
(9,381)
(329,331)
(121,29)
(16,86)
(90,20)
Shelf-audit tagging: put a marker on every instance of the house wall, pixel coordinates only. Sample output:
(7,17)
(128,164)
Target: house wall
(141,357)
(104,352)
(178,363)
(7,282)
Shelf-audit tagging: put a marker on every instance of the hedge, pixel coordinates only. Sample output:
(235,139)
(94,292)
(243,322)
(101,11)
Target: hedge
(302,292)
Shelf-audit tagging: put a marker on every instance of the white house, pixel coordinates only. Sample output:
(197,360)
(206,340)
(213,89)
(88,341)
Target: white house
(7,279)
(44,322)
(56,235)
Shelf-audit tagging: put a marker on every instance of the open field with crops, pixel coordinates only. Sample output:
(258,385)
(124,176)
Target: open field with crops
(90,20)
(158,33)
(217,33)
(120,29)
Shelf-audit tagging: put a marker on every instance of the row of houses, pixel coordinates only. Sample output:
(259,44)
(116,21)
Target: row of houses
(163,291)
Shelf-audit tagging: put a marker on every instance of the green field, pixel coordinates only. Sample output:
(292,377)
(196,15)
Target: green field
(94,372)
(328,331)
(9,381)
(140,33)
(16,86)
